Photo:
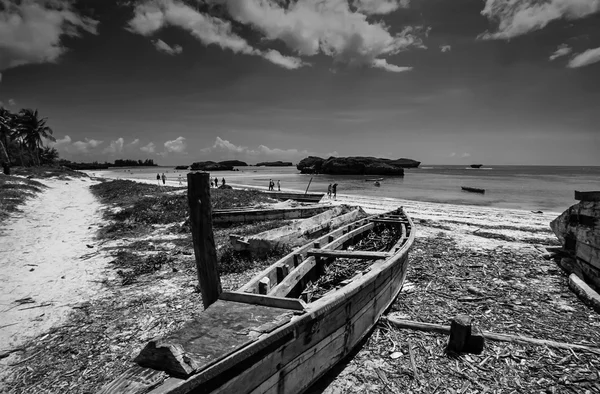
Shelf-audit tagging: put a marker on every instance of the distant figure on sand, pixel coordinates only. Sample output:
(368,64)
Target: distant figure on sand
(334,190)
(270,184)
(216,182)
(278,185)
(164,178)
(223,182)
(329,191)
(158,179)
(180,179)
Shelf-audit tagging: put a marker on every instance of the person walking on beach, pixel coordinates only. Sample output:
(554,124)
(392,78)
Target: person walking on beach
(329,191)
(334,190)
(278,185)
(164,178)
(216,182)
(158,179)
(270,184)
(223,182)
(180,179)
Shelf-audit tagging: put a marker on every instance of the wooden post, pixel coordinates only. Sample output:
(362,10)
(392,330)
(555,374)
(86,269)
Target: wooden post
(460,331)
(202,235)
(308,186)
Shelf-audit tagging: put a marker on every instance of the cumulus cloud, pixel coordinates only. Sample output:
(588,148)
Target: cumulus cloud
(135,142)
(30,30)
(115,147)
(562,50)
(383,64)
(166,48)
(60,141)
(148,148)
(445,48)
(379,6)
(518,17)
(585,58)
(178,145)
(223,149)
(465,155)
(82,146)
(152,16)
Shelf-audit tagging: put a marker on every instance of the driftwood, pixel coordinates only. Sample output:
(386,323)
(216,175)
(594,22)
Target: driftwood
(430,327)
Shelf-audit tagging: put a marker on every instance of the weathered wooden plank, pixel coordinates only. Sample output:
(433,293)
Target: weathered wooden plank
(353,254)
(588,253)
(585,292)
(223,328)
(264,300)
(202,236)
(388,221)
(264,285)
(250,215)
(283,288)
(587,196)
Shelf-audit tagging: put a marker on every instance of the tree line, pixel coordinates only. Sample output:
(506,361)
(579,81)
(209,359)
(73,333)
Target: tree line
(22,138)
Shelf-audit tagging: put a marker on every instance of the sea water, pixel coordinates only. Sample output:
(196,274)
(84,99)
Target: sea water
(544,188)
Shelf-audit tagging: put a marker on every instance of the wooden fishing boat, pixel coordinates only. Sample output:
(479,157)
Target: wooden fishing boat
(246,215)
(373,179)
(476,165)
(578,229)
(303,197)
(290,324)
(473,189)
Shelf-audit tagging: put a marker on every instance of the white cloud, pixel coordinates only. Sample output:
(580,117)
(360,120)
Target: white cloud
(383,64)
(60,141)
(562,50)
(115,147)
(379,6)
(166,48)
(453,154)
(31,30)
(82,146)
(465,155)
(151,16)
(223,149)
(330,27)
(177,145)
(585,58)
(445,48)
(135,142)
(12,102)
(518,17)
(334,153)
(148,148)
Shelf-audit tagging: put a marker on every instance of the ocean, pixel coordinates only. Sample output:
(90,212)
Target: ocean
(544,188)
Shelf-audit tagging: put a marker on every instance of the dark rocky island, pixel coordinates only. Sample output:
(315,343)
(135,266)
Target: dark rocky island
(181,167)
(210,166)
(355,166)
(234,163)
(275,164)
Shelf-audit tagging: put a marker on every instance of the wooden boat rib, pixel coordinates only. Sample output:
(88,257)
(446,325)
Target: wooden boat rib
(250,215)
(473,189)
(302,197)
(263,338)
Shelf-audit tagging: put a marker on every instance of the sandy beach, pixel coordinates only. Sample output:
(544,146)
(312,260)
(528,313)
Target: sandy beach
(50,260)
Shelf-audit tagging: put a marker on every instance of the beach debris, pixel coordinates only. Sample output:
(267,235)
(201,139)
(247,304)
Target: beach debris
(89,246)
(26,300)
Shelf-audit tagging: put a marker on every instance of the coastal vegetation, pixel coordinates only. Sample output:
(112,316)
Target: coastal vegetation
(274,164)
(106,165)
(356,165)
(210,166)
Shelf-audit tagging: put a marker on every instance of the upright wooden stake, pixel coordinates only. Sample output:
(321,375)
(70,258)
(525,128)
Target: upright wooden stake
(308,186)
(202,235)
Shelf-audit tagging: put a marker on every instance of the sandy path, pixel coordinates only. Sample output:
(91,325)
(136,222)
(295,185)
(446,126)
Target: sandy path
(41,254)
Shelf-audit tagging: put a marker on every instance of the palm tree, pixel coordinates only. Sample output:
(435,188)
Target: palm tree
(6,131)
(32,130)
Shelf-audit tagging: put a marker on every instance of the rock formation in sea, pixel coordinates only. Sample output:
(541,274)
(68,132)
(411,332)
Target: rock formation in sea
(210,166)
(181,167)
(275,164)
(234,163)
(355,165)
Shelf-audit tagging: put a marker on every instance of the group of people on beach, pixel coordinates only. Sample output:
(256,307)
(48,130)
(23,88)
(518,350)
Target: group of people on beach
(272,185)
(332,190)
(216,182)
(163,177)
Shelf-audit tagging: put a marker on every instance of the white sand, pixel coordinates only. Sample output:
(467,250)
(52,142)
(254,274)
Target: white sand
(41,254)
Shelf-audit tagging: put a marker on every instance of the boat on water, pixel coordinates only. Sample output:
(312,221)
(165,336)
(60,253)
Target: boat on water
(476,165)
(578,230)
(473,189)
(290,324)
(302,197)
(373,179)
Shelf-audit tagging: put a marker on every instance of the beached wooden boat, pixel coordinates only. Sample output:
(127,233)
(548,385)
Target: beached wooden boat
(282,331)
(246,215)
(473,189)
(578,229)
(476,165)
(373,179)
(303,197)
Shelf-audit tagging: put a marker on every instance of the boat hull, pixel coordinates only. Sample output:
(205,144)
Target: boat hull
(302,197)
(473,189)
(252,215)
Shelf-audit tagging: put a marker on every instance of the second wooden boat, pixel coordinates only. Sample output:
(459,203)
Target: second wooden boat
(302,197)
(290,324)
(473,189)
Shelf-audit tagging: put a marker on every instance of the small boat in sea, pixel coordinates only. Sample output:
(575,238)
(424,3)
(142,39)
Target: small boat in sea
(473,189)
(373,179)
(578,230)
(302,197)
(476,165)
(290,324)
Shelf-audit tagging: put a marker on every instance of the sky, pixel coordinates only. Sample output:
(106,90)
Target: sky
(504,82)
